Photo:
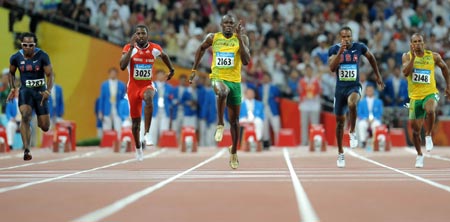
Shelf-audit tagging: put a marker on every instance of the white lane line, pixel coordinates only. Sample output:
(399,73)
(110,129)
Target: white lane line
(55,160)
(122,203)
(20,186)
(305,208)
(413,151)
(427,181)
(11,156)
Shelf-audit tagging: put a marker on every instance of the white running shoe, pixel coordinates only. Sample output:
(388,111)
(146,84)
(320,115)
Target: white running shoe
(419,161)
(148,139)
(428,143)
(219,133)
(341,161)
(139,154)
(353,140)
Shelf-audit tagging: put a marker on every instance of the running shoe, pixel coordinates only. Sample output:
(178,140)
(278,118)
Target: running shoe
(148,140)
(419,161)
(219,133)
(234,162)
(139,154)
(428,143)
(27,155)
(341,161)
(353,140)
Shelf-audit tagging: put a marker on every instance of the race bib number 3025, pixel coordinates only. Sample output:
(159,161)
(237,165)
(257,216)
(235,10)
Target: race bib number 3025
(32,83)
(421,76)
(225,59)
(142,71)
(347,72)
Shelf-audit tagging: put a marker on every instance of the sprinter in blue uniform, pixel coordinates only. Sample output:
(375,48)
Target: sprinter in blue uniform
(36,81)
(344,60)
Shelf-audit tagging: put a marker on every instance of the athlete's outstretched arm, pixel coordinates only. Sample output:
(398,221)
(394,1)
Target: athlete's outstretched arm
(11,80)
(207,42)
(166,59)
(50,76)
(407,62)
(244,51)
(373,63)
(125,59)
(445,72)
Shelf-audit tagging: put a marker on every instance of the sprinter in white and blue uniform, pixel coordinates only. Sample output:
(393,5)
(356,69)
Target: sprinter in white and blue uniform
(344,61)
(36,81)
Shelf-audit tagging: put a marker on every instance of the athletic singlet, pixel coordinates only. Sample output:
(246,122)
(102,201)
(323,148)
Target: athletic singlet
(347,73)
(31,70)
(421,82)
(226,62)
(140,67)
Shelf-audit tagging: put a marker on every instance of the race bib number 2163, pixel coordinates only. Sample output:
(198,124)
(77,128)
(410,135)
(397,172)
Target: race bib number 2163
(224,59)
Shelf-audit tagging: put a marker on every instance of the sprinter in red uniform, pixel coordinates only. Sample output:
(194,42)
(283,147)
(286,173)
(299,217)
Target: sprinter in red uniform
(139,57)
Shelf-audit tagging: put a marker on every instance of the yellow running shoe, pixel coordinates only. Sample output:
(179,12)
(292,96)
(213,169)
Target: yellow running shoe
(219,133)
(234,162)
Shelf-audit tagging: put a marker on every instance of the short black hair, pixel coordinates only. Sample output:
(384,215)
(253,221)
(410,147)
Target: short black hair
(30,35)
(142,27)
(345,28)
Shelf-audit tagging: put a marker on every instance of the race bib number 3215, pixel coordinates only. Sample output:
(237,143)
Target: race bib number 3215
(347,72)
(142,72)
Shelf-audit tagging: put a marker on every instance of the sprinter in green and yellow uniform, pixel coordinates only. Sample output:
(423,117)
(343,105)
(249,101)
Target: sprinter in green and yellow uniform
(418,67)
(230,51)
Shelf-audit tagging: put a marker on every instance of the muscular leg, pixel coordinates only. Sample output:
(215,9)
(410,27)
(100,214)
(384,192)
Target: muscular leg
(25,130)
(135,129)
(44,122)
(416,126)
(148,109)
(221,91)
(340,120)
(430,109)
(233,113)
(352,102)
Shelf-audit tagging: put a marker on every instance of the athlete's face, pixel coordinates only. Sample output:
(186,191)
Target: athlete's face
(346,37)
(142,37)
(28,46)
(228,25)
(417,43)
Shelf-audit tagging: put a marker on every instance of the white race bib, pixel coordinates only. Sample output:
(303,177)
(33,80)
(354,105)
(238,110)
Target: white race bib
(347,72)
(224,59)
(421,76)
(142,71)
(32,83)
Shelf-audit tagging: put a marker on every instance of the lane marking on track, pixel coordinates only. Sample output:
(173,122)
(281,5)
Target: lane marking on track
(413,151)
(305,208)
(88,154)
(20,186)
(122,203)
(427,181)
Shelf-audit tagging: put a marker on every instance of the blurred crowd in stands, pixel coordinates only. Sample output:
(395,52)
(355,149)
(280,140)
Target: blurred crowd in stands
(289,39)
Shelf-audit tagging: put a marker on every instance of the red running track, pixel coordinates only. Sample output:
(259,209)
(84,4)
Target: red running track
(292,184)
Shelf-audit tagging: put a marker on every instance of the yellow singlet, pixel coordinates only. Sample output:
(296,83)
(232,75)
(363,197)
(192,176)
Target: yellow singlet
(226,62)
(421,82)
